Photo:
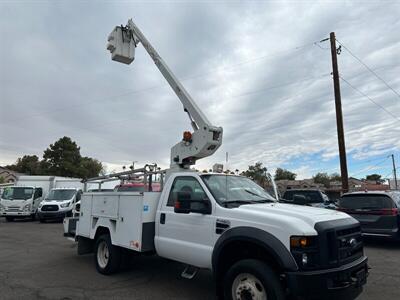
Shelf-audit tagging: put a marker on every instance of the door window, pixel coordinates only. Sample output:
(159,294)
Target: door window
(188,185)
(38,193)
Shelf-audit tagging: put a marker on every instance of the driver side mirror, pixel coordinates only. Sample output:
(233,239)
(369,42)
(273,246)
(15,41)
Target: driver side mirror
(185,204)
(300,199)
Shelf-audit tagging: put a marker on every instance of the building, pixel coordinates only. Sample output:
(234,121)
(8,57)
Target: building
(9,176)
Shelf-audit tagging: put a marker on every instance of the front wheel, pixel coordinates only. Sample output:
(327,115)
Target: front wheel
(251,279)
(10,219)
(107,256)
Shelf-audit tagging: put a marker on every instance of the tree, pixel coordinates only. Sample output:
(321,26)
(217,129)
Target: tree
(375,177)
(2,179)
(282,174)
(257,173)
(28,164)
(322,178)
(63,158)
(89,167)
(335,177)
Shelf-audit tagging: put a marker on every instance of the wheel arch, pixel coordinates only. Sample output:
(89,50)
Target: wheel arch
(236,243)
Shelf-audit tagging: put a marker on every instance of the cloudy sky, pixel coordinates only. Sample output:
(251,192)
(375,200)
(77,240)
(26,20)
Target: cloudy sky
(255,68)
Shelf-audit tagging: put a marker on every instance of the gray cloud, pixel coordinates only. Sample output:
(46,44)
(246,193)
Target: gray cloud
(239,61)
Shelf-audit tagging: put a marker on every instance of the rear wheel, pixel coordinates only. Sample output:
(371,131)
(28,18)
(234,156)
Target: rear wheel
(107,256)
(10,219)
(251,279)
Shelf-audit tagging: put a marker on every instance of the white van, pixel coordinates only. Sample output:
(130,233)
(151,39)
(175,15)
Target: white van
(59,203)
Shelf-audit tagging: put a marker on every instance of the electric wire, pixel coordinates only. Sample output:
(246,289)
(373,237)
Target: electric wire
(370,99)
(370,167)
(368,68)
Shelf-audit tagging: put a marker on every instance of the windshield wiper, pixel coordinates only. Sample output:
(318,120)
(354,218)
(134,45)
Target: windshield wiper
(242,202)
(255,194)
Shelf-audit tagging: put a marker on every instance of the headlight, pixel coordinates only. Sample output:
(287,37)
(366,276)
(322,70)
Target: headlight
(65,204)
(27,207)
(2,207)
(40,205)
(305,251)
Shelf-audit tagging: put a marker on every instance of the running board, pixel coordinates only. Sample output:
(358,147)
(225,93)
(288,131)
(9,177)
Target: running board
(189,272)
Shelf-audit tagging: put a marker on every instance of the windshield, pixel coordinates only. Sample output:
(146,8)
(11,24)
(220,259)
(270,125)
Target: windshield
(230,189)
(365,201)
(17,193)
(61,195)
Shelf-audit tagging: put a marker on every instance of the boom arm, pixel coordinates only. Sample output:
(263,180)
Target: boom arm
(206,139)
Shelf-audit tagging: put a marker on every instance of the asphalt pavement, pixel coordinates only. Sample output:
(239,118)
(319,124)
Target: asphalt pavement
(37,262)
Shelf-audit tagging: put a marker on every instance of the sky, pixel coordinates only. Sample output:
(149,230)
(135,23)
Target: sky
(256,68)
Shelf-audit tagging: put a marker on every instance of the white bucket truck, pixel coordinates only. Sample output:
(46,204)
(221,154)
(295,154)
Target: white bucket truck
(23,199)
(256,247)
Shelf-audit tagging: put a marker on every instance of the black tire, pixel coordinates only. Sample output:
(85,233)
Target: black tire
(254,271)
(33,217)
(41,220)
(10,219)
(110,264)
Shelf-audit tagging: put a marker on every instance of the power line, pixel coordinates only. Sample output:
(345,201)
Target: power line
(371,167)
(369,98)
(369,69)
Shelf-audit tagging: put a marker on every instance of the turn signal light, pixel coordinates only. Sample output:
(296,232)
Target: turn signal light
(300,241)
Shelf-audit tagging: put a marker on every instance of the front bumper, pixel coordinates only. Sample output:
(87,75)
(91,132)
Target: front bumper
(54,214)
(345,282)
(16,214)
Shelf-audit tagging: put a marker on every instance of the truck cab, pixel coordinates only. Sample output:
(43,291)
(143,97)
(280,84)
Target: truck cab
(20,202)
(58,204)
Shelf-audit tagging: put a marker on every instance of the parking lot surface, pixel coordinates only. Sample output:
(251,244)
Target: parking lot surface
(37,262)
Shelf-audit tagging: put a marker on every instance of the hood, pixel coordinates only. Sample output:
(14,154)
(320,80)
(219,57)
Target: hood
(282,212)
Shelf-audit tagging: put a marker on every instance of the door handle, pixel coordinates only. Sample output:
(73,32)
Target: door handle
(162,218)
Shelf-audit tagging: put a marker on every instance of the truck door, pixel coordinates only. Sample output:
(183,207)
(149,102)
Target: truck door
(37,197)
(188,238)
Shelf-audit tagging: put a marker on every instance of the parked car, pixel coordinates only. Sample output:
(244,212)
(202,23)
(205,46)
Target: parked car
(377,211)
(310,197)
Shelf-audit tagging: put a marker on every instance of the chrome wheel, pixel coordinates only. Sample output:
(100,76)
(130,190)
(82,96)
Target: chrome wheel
(103,254)
(248,287)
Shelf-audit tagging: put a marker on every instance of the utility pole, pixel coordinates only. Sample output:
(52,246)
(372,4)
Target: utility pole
(394,172)
(339,116)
